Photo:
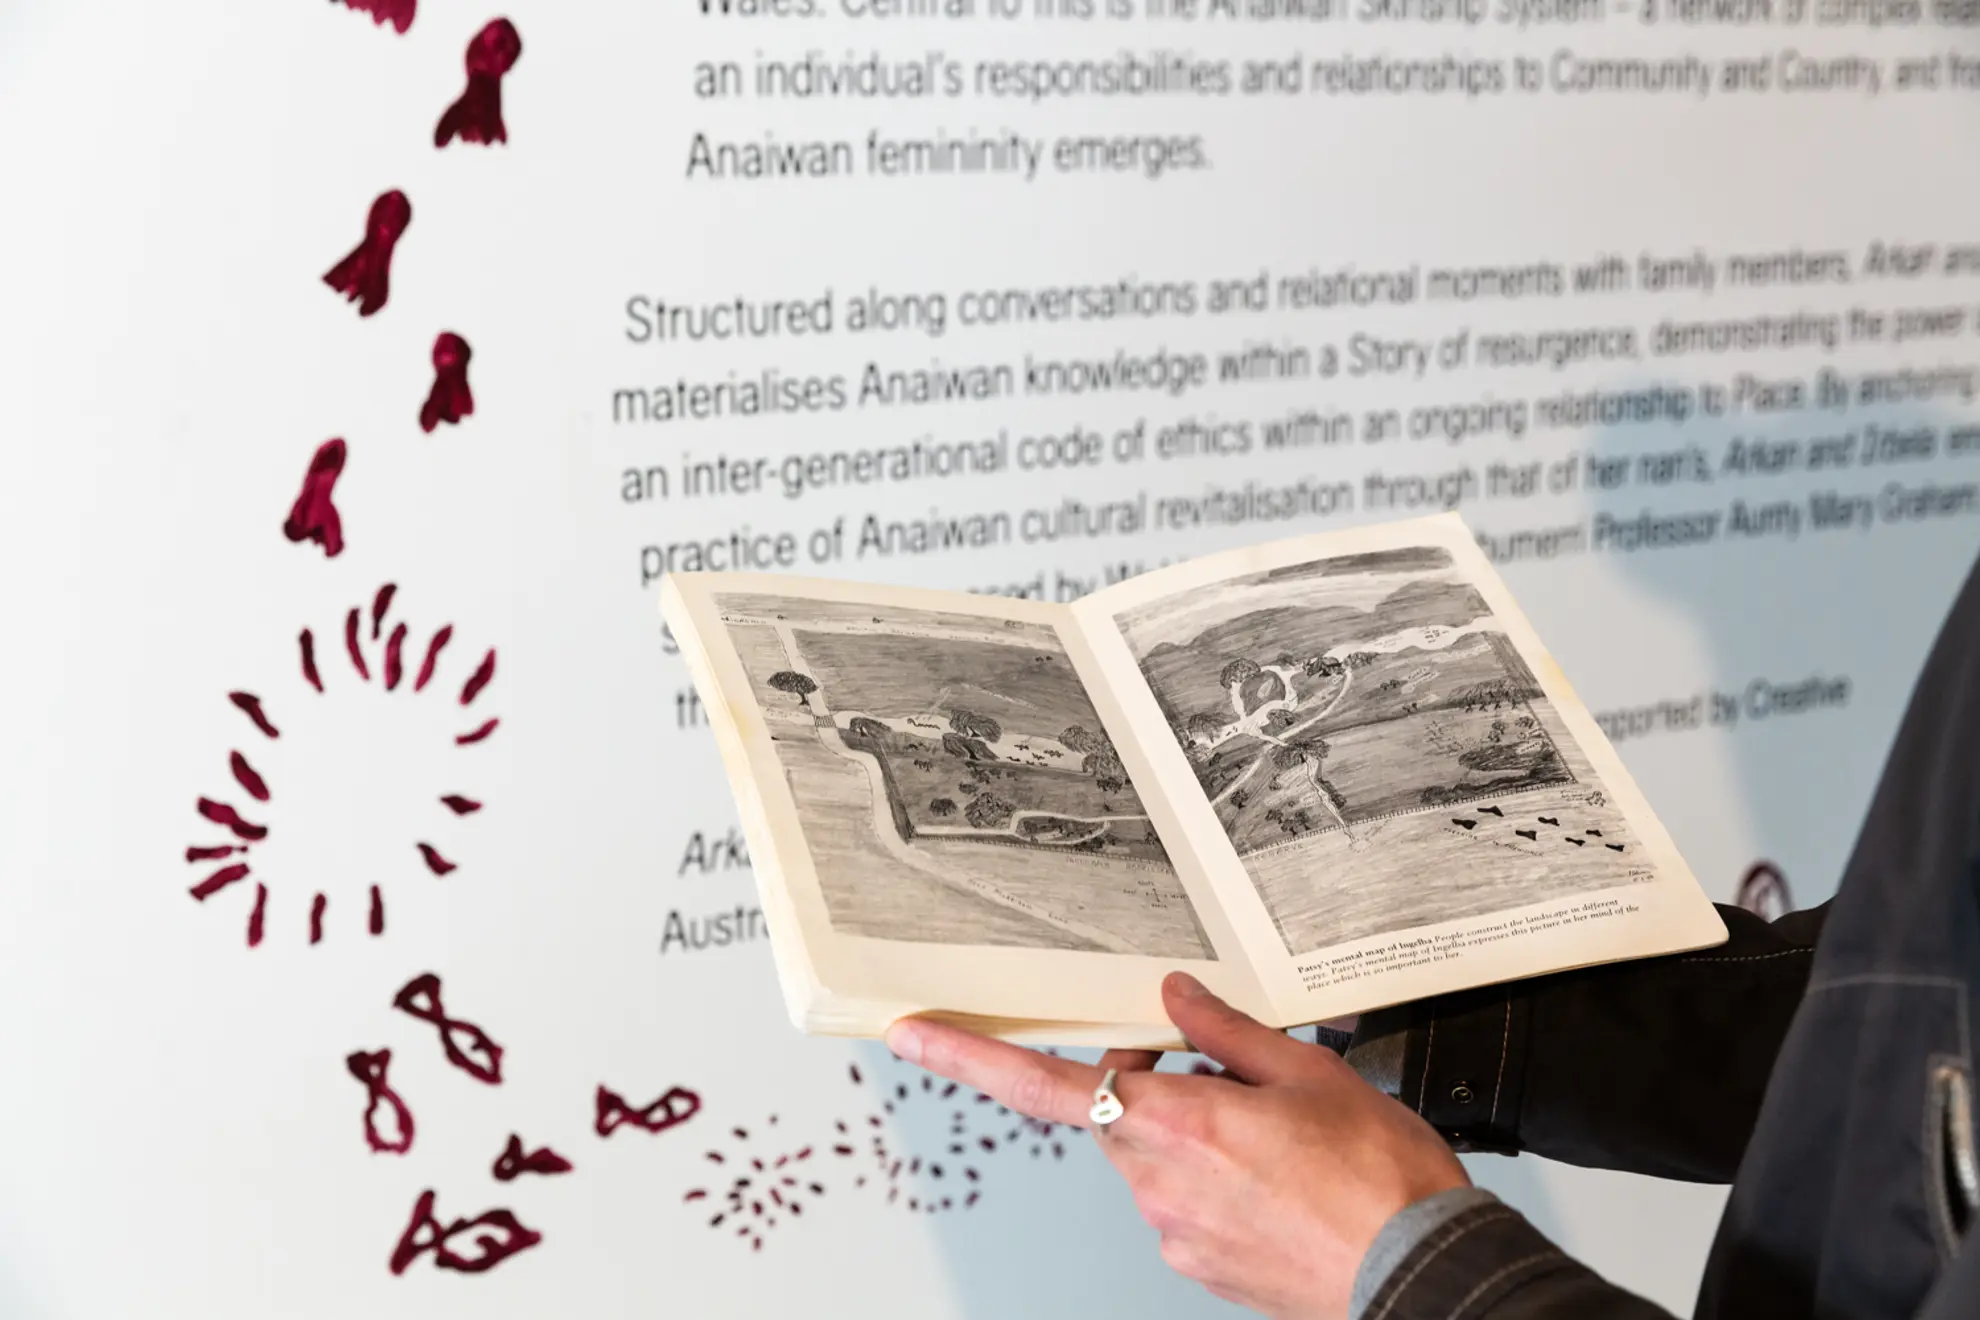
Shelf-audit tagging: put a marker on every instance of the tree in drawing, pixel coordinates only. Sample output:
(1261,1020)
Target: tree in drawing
(943,806)
(1107,771)
(799,686)
(987,811)
(963,749)
(969,724)
(1308,751)
(1238,672)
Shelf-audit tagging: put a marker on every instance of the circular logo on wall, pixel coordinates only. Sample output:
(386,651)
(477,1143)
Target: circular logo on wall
(1764,891)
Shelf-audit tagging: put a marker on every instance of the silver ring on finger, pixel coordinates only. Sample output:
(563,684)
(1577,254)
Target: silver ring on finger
(1107,1107)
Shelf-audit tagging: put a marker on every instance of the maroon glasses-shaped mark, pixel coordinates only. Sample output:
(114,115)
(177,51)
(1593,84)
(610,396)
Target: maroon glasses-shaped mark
(468,1046)
(450,399)
(674,1108)
(399,13)
(493,1236)
(388,1124)
(313,517)
(365,276)
(476,116)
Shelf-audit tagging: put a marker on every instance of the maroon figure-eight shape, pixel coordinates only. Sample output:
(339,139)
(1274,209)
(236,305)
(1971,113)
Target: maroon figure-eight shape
(468,1047)
(674,1108)
(388,1123)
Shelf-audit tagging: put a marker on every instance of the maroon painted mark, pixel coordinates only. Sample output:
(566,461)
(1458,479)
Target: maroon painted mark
(365,276)
(674,1108)
(897,1172)
(352,645)
(388,1123)
(219,880)
(314,516)
(247,778)
(395,670)
(250,705)
(468,1046)
(308,644)
(484,673)
(394,664)
(433,650)
(450,399)
(257,919)
(768,1187)
(513,1162)
(381,601)
(495,1235)
(222,814)
(399,13)
(477,115)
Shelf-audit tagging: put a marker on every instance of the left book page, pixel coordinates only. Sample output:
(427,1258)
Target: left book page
(937,817)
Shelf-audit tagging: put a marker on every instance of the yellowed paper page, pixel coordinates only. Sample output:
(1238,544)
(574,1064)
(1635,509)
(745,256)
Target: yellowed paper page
(1393,788)
(936,813)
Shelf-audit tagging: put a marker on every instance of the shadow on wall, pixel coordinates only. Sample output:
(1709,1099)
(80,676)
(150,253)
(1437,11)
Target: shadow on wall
(1791,593)
(1808,612)
(1055,1232)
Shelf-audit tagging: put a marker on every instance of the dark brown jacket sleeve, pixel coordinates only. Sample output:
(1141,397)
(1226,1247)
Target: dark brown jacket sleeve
(1655,1066)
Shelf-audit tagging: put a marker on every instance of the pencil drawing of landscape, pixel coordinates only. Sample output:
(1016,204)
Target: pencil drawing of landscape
(1375,747)
(952,782)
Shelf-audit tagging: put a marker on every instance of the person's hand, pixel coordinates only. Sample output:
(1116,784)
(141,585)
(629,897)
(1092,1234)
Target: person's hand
(1268,1193)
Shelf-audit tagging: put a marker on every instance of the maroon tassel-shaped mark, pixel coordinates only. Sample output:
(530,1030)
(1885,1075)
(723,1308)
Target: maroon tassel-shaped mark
(313,517)
(451,398)
(477,115)
(365,276)
(399,13)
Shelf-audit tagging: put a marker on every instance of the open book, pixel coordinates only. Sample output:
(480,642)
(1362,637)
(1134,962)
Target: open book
(1323,776)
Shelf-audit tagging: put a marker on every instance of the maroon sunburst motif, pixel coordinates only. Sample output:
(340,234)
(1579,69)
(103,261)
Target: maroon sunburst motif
(383,663)
(768,1182)
(930,1183)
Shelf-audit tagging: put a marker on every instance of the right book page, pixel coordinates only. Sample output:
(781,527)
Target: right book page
(1387,778)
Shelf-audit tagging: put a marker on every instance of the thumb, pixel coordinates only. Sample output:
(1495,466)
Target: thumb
(1243,1045)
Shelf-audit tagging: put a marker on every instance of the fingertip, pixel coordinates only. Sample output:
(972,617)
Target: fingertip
(905,1039)
(1181,985)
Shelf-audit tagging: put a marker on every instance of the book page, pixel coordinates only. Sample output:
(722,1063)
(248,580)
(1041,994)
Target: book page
(1406,795)
(939,817)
